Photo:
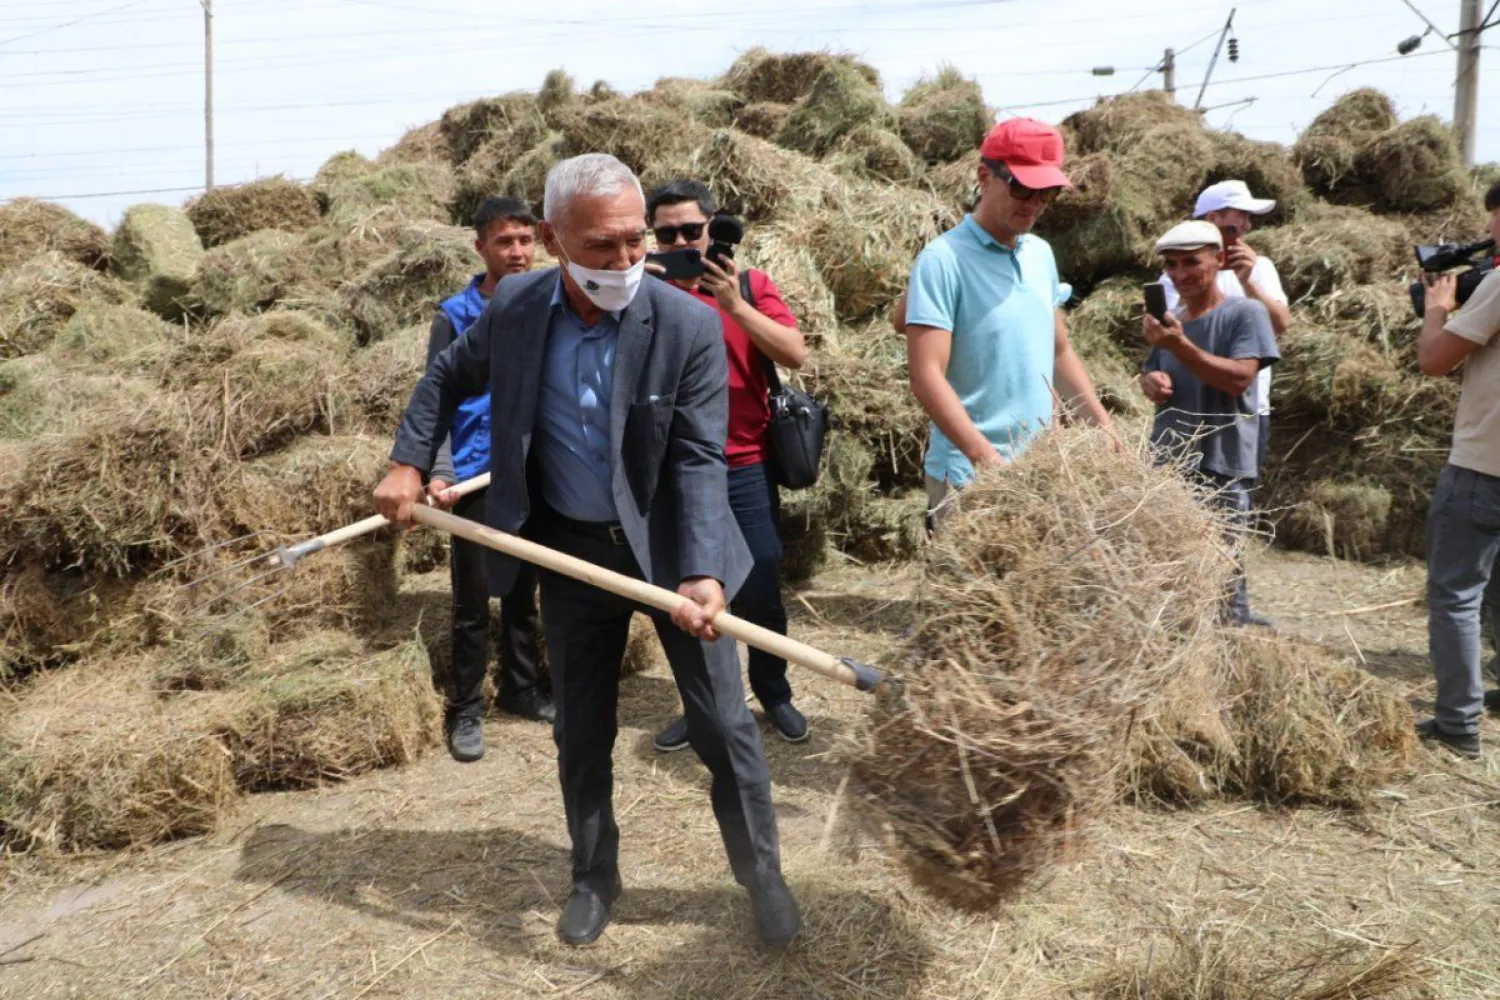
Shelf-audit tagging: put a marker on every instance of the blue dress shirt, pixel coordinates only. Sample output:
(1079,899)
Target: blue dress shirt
(571,437)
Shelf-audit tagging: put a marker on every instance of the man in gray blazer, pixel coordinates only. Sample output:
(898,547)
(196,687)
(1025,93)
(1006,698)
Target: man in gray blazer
(608,399)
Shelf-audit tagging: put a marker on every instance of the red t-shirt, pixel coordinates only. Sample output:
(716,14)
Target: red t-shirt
(749,410)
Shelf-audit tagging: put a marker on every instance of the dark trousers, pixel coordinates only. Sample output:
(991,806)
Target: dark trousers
(1463,545)
(520,628)
(756,506)
(1232,496)
(586,632)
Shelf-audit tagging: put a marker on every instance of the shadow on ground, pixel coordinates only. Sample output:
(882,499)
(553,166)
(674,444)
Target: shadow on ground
(507,887)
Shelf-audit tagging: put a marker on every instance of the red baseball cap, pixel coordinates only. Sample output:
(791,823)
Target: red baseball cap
(1031,150)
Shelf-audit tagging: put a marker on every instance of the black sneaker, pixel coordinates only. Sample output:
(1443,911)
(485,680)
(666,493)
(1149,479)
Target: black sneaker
(777,921)
(674,737)
(466,739)
(789,723)
(1492,701)
(529,704)
(1465,746)
(1252,620)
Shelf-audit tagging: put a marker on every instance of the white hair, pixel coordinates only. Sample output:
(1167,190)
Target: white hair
(589,175)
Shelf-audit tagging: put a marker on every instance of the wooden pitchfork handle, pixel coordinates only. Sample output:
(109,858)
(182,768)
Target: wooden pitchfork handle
(286,556)
(837,668)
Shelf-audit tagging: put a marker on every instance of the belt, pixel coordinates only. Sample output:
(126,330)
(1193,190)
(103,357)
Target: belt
(602,530)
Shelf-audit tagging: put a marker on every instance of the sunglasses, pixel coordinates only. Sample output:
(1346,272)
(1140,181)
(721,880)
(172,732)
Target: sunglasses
(666,235)
(1020,191)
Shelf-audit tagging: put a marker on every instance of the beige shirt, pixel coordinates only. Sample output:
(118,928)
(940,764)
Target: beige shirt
(1476,429)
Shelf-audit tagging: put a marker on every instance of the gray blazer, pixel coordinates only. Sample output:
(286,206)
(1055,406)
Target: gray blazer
(669,419)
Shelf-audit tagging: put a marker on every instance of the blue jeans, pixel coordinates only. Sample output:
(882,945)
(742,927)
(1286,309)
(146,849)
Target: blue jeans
(1463,540)
(757,510)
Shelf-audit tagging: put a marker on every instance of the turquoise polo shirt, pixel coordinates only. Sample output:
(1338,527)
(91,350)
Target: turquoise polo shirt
(999,304)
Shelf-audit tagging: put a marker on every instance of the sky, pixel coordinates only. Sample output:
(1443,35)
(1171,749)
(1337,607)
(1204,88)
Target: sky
(101,101)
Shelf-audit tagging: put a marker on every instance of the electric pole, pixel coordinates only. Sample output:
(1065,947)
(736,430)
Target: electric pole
(1466,83)
(208,94)
(1228,26)
(1169,73)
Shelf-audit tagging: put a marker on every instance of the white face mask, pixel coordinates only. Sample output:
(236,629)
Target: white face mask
(609,290)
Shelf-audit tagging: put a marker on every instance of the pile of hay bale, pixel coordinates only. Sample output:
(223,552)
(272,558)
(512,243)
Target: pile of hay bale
(237,367)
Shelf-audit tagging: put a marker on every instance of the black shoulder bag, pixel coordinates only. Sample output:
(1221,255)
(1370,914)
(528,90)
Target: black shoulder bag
(798,425)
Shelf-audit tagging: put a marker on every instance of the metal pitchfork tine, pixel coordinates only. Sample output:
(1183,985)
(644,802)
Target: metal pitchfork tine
(284,558)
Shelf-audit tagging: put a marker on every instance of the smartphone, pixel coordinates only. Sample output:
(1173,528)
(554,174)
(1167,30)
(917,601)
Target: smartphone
(1231,235)
(679,264)
(1156,299)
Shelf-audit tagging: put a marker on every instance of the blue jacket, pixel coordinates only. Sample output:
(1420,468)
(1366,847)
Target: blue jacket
(471,424)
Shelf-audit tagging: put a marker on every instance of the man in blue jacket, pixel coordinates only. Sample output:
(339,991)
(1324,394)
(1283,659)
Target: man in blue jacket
(506,241)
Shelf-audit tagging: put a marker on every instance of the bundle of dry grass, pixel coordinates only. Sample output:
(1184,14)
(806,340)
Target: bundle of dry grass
(393,195)
(122,336)
(52,618)
(230,212)
(639,134)
(527,177)
(785,78)
(1328,148)
(640,647)
(778,252)
(1218,960)
(313,486)
(338,169)
(762,119)
(421,144)
(29,227)
(378,384)
(945,117)
(93,758)
(842,98)
(865,385)
(157,249)
(957,183)
(1414,167)
(40,295)
(325,709)
(1105,330)
(1266,167)
(483,174)
(428,264)
(804,536)
(1348,520)
(1330,247)
(248,274)
(467,127)
(37,396)
(749,177)
(870,153)
(557,92)
(1065,595)
(697,100)
(1116,124)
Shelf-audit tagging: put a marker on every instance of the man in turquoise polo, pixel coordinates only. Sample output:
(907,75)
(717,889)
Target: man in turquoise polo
(987,345)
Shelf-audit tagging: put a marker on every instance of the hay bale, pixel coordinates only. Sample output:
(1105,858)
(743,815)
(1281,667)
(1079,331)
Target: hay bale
(881,529)
(637,133)
(1414,167)
(325,709)
(129,487)
(1328,148)
(957,183)
(403,288)
(869,153)
(92,758)
(556,93)
(945,117)
(380,381)
(804,536)
(468,126)
(750,177)
(763,119)
(1349,520)
(527,177)
(699,101)
(1105,329)
(1181,745)
(778,251)
(38,298)
(1117,124)
(484,174)
(29,227)
(1329,247)
(842,98)
(248,274)
(393,195)
(118,335)
(37,396)
(317,484)
(420,144)
(339,169)
(640,647)
(865,241)
(1019,691)
(866,387)
(52,618)
(237,210)
(1310,728)
(421,550)
(1266,167)
(157,249)
(760,75)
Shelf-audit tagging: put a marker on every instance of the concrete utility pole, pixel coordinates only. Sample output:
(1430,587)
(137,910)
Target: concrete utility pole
(208,94)
(1169,73)
(1228,27)
(1466,83)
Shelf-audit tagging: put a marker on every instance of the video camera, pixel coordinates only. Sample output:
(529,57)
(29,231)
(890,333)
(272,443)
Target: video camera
(724,234)
(1437,259)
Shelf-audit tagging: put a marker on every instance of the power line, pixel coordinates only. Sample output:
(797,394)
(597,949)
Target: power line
(69,24)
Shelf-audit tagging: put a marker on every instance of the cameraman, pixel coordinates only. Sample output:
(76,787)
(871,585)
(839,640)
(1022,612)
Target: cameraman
(1463,526)
(678,214)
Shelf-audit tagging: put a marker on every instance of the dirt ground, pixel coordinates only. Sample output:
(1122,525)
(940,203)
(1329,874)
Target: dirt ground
(444,880)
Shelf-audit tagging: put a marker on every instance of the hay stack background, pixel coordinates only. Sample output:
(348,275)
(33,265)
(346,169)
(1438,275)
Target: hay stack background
(160,386)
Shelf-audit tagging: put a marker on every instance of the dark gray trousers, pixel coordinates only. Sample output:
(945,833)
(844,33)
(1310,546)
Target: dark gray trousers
(1463,542)
(1232,496)
(586,631)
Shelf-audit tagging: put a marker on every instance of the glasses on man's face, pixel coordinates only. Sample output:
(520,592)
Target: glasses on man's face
(689,231)
(1021,192)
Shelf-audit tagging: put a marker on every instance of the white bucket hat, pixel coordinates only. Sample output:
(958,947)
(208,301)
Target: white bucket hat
(1231,194)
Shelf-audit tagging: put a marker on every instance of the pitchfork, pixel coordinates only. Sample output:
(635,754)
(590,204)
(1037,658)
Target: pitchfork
(843,669)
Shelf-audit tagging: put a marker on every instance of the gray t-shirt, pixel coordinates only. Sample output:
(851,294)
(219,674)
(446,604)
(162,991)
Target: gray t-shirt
(1215,431)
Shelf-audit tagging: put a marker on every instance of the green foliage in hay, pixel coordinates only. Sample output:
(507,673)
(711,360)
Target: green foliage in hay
(157,249)
(29,227)
(944,117)
(40,296)
(841,100)
(228,213)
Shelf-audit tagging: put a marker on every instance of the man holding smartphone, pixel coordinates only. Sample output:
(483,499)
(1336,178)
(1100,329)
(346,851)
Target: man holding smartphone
(1245,275)
(986,343)
(755,332)
(1201,372)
